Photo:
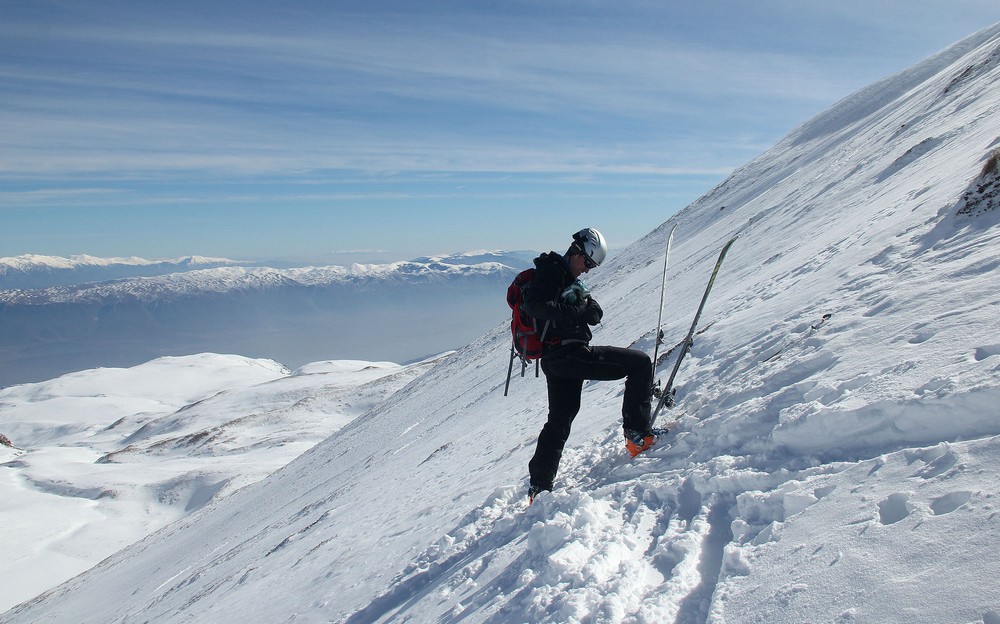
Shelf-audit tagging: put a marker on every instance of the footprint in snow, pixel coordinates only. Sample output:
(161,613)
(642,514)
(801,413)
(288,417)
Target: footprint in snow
(894,508)
(949,502)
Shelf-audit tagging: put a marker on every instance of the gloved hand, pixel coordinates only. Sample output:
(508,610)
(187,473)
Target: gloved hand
(592,313)
(577,294)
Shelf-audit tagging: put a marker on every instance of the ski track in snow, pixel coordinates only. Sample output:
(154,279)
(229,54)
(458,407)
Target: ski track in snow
(842,471)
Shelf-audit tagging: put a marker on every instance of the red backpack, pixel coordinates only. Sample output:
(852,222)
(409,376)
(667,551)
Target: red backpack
(528,340)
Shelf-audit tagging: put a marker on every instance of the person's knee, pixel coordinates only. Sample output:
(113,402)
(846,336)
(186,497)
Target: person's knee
(556,431)
(640,364)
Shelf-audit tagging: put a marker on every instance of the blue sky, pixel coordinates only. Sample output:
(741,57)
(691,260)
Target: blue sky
(300,129)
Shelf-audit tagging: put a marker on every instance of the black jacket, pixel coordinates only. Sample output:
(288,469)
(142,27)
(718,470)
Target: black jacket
(543,299)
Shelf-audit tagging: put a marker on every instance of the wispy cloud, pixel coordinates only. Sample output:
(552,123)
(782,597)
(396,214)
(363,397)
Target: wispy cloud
(391,97)
(365,106)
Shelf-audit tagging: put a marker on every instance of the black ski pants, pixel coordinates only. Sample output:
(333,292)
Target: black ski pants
(565,373)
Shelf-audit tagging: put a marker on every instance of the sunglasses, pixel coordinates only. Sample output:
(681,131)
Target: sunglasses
(589,262)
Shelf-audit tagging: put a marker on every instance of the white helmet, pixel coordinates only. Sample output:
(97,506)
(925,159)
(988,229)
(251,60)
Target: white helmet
(592,244)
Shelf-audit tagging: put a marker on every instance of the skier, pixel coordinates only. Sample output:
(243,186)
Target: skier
(563,306)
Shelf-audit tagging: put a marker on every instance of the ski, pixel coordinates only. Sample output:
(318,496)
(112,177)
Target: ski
(667,392)
(663,290)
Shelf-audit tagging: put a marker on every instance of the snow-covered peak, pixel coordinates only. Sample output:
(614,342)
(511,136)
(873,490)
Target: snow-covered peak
(517,259)
(295,315)
(34,261)
(62,279)
(236,278)
(32,271)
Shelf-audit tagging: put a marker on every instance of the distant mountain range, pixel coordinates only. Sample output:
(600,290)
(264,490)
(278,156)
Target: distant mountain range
(35,271)
(401,311)
(517,259)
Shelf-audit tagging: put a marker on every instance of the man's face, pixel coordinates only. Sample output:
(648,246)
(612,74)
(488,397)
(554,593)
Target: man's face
(578,265)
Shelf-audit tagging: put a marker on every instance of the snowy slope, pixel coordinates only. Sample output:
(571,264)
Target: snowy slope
(841,474)
(99,459)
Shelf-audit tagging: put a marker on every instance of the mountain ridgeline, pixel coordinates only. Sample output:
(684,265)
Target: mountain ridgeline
(399,312)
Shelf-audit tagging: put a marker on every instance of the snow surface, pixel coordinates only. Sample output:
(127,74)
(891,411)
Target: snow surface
(847,473)
(102,458)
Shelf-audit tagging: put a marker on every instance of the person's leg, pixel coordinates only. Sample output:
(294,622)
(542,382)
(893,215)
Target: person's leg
(564,403)
(608,364)
(636,405)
